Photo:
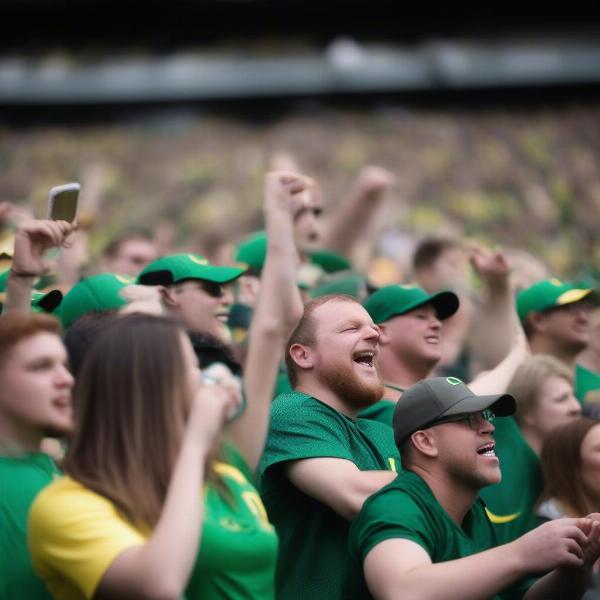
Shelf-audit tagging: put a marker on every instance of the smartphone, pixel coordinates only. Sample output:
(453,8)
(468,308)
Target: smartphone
(62,202)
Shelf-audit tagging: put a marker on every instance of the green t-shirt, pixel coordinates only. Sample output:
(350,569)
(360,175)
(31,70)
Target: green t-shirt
(382,412)
(312,536)
(21,478)
(238,550)
(511,502)
(585,381)
(406,508)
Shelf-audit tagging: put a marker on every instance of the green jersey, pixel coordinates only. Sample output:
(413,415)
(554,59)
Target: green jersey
(585,381)
(312,536)
(382,411)
(238,548)
(511,502)
(21,478)
(407,509)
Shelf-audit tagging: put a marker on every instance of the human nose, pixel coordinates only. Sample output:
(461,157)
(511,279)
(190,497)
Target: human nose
(373,333)
(574,405)
(485,426)
(435,323)
(227,295)
(64,378)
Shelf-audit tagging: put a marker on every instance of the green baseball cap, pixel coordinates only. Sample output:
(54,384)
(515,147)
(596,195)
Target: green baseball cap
(252,251)
(431,399)
(329,261)
(179,267)
(393,300)
(349,283)
(547,294)
(40,301)
(93,294)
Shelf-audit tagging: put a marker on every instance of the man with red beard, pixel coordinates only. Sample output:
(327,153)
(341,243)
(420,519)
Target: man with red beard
(321,462)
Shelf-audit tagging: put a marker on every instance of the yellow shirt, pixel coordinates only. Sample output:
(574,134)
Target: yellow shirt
(74,530)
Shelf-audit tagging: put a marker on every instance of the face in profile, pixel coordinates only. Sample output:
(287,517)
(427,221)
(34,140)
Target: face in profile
(590,463)
(204,307)
(133,255)
(555,405)
(35,387)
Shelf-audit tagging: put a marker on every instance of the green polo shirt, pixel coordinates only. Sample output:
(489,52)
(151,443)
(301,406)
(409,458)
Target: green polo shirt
(312,537)
(585,381)
(382,412)
(407,509)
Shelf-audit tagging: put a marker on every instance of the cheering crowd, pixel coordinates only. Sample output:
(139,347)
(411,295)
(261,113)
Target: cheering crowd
(276,426)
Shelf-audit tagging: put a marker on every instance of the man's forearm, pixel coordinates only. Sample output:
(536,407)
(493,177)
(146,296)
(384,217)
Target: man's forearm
(18,293)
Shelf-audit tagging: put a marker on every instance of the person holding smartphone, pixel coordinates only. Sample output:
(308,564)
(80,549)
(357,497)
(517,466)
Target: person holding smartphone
(158,500)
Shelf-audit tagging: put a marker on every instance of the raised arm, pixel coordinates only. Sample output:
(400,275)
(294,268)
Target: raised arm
(32,240)
(401,568)
(278,309)
(492,333)
(496,380)
(358,208)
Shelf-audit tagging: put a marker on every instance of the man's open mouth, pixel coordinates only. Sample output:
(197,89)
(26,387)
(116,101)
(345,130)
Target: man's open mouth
(365,358)
(487,450)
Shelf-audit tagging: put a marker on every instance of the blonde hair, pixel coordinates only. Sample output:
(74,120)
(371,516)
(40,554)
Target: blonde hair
(529,377)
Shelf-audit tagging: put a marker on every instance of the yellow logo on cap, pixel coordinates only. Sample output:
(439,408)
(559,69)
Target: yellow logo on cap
(124,279)
(453,380)
(556,282)
(407,286)
(198,261)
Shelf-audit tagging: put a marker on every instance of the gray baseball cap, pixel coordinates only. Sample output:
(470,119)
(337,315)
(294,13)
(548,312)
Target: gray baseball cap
(438,397)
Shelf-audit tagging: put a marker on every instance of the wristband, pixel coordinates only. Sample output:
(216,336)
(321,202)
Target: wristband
(22,273)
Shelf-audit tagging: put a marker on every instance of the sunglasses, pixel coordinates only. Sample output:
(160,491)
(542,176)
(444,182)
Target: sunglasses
(213,289)
(475,420)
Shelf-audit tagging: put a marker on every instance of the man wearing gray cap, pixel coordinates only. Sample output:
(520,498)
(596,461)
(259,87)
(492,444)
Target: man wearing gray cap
(427,535)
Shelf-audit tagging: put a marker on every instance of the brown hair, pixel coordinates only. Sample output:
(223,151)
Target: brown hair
(305,332)
(529,377)
(16,327)
(561,465)
(131,406)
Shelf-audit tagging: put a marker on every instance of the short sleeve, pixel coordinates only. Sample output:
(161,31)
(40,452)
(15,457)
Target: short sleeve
(387,516)
(300,430)
(75,535)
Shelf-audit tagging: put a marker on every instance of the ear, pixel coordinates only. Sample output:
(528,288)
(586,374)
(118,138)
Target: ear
(167,296)
(384,335)
(425,443)
(537,321)
(302,356)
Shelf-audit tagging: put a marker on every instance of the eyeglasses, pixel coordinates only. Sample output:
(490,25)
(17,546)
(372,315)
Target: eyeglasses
(475,419)
(213,289)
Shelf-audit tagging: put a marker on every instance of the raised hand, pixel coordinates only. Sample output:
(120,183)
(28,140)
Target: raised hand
(33,239)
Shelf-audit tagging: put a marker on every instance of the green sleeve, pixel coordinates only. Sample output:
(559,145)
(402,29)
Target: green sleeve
(299,430)
(388,516)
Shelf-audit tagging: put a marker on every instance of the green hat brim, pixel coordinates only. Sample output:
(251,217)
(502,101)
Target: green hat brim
(215,274)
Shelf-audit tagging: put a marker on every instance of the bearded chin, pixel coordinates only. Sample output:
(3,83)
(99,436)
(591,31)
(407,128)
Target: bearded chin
(354,392)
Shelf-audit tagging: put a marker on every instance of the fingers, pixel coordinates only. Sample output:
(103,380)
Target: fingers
(54,233)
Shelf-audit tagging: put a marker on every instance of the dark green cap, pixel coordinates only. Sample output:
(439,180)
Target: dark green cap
(253,251)
(179,267)
(431,399)
(349,283)
(547,294)
(96,293)
(329,261)
(40,301)
(393,300)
